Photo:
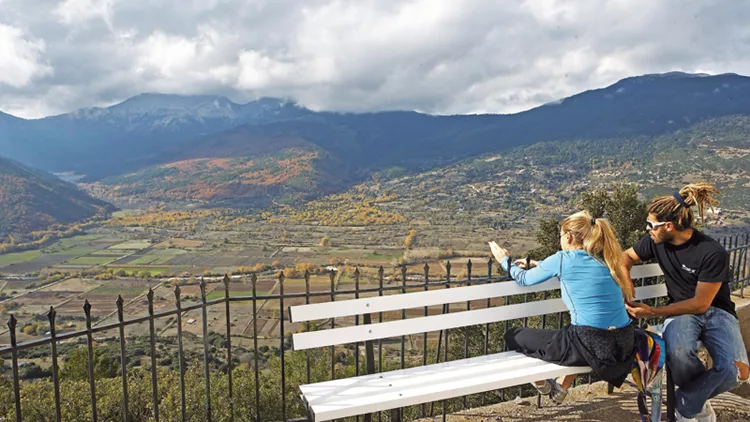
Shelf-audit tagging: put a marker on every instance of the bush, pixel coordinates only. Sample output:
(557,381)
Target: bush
(34,371)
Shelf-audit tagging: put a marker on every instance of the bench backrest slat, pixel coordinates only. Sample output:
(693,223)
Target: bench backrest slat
(397,302)
(403,327)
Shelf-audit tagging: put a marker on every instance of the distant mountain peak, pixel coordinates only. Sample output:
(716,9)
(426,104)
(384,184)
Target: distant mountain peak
(8,117)
(149,103)
(675,76)
(180,106)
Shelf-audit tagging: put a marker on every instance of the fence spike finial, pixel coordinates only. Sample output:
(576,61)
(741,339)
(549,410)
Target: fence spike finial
(12,322)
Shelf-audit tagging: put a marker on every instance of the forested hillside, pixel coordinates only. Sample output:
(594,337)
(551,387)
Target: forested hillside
(31,201)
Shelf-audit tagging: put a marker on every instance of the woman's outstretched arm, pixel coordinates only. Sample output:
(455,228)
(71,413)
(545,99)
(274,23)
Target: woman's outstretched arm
(544,271)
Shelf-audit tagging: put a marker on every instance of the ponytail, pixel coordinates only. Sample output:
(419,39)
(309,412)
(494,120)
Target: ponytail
(676,208)
(599,241)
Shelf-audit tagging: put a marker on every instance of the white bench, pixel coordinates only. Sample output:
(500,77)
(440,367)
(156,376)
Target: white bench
(390,390)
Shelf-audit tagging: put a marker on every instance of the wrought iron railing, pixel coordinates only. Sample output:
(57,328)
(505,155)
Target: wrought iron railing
(737,245)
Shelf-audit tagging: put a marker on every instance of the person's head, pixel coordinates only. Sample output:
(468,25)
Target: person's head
(596,237)
(669,216)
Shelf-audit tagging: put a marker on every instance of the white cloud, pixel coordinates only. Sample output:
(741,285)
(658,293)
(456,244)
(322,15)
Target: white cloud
(20,57)
(80,11)
(167,55)
(439,56)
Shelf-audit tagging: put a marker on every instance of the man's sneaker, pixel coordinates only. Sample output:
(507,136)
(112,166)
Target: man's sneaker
(707,414)
(544,389)
(557,394)
(681,418)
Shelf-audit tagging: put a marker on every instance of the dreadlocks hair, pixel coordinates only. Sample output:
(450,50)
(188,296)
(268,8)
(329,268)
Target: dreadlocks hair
(670,209)
(599,240)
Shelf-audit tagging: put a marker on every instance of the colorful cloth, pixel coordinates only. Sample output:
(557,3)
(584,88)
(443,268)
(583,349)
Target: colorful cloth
(647,373)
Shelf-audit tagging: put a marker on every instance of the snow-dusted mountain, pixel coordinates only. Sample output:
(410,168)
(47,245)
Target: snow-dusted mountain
(152,129)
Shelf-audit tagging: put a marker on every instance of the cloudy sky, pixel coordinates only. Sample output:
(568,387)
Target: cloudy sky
(437,56)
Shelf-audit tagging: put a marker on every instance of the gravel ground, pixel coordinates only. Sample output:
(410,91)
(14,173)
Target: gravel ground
(591,403)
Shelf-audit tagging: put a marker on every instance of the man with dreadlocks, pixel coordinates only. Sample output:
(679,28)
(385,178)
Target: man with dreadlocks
(696,271)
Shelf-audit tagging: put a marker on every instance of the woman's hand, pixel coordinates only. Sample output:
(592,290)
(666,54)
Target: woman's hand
(500,254)
(521,263)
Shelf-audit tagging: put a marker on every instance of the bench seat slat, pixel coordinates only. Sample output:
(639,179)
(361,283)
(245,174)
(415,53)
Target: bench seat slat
(387,303)
(345,335)
(371,393)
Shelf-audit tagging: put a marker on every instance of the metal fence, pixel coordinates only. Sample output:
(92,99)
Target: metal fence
(737,245)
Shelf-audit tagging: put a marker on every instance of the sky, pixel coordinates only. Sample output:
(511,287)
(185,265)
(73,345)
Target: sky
(434,56)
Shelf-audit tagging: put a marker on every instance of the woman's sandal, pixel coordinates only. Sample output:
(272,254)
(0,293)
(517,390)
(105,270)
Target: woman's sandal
(544,389)
(557,394)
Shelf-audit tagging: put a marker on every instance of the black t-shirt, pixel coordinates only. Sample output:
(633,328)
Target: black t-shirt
(699,259)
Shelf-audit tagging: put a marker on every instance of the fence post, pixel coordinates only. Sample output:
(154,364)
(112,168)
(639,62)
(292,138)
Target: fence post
(426,269)
(486,344)
(206,370)
(123,357)
(90,346)
(254,280)
(446,310)
(152,340)
(180,354)
(16,386)
(229,347)
(380,341)
(356,322)
(332,277)
(51,315)
(307,324)
(466,329)
(281,334)
(369,350)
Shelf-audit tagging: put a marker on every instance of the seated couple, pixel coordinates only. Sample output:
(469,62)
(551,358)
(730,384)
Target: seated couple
(596,287)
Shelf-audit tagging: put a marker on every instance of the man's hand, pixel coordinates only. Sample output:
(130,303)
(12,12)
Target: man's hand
(639,310)
(499,253)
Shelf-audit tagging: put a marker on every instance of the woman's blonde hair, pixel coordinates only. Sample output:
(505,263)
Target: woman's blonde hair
(675,209)
(599,241)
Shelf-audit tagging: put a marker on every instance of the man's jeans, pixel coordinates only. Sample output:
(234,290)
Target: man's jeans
(720,333)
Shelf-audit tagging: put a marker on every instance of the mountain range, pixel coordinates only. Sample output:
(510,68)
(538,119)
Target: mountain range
(211,149)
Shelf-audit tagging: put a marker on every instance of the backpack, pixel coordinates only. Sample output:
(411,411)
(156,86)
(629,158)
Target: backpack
(647,373)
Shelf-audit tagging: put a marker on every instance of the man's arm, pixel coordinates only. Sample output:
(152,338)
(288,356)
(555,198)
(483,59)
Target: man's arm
(630,258)
(705,293)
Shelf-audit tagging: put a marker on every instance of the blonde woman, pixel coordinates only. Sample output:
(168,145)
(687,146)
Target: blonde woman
(594,288)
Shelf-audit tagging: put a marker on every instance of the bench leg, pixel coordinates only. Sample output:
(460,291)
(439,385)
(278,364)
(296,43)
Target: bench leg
(395,415)
(670,396)
(610,388)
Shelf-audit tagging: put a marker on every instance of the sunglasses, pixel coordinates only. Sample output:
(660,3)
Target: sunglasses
(650,226)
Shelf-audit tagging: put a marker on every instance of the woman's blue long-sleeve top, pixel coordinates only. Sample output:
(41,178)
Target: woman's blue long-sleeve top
(588,289)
